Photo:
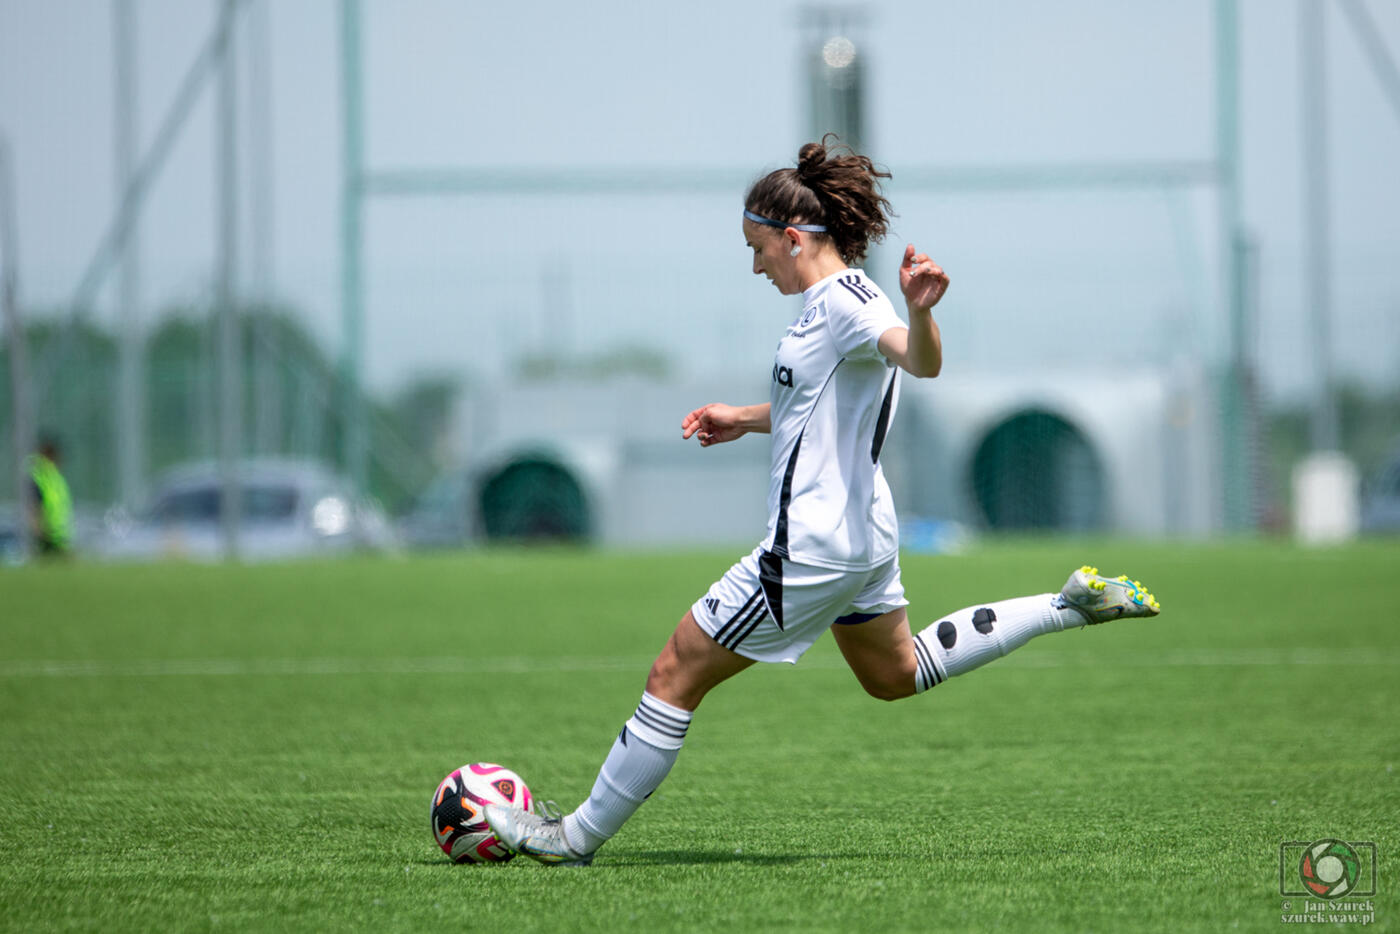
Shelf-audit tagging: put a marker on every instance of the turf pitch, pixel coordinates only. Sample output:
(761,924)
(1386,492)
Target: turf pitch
(253,748)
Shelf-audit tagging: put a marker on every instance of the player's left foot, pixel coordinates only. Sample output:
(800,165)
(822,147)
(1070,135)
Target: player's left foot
(539,837)
(1101,599)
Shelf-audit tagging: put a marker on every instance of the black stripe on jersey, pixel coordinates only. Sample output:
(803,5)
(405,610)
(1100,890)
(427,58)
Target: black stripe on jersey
(780,528)
(770,577)
(847,286)
(853,285)
(882,424)
(733,620)
(740,637)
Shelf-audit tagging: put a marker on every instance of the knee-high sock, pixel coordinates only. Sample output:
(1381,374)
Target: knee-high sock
(976,635)
(640,759)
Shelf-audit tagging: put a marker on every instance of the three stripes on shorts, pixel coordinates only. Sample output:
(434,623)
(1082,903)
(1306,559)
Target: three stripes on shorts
(737,629)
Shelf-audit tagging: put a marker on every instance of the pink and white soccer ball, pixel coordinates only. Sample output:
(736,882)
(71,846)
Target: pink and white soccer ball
(459,820)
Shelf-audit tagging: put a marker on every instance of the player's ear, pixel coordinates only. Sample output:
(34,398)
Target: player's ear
(794,241)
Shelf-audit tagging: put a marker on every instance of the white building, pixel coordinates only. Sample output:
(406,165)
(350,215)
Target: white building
(1136,455)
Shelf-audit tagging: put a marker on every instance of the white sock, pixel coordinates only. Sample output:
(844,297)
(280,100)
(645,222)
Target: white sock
(976,635)
(640,759)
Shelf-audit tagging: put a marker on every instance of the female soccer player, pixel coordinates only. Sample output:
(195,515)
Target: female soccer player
(830,558)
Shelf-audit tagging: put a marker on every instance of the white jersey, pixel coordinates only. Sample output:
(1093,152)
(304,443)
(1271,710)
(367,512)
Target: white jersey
(834,394)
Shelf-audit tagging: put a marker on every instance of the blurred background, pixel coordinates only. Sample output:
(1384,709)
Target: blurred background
(303,277)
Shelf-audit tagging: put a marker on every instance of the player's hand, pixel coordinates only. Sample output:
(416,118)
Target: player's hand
(922,281)
(713,424)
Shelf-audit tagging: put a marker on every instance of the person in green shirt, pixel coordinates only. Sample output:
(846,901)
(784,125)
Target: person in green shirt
(51,507)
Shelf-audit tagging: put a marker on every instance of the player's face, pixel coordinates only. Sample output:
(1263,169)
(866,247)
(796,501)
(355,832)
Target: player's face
(771,257)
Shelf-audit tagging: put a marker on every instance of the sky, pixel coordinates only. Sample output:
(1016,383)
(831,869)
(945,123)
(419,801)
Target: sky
(466,285)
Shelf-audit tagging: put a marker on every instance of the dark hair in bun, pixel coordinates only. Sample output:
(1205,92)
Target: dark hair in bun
(833,186)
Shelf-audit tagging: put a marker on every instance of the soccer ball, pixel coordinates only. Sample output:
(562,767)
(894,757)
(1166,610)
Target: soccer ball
(458,812)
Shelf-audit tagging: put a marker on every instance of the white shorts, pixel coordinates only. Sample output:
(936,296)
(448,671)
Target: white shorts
(772,610)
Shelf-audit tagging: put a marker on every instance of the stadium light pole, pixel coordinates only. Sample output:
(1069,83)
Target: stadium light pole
(836,73)
(21,427)
(835,50)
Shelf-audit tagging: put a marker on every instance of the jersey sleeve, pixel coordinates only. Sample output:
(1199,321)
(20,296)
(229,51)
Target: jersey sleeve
(857,321)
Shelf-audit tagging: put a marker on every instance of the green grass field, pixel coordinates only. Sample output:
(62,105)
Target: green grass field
(209,748)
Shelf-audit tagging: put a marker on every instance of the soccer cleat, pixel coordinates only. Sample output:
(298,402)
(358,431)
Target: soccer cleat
(1100,599)
(538,836)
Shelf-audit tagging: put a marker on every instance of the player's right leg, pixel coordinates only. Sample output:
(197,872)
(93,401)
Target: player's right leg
(689,666)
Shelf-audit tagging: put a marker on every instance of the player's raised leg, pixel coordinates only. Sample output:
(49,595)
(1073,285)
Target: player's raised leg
(976,635)
(882,653)
(689,666)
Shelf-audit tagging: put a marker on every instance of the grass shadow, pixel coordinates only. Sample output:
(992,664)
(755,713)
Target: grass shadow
(622,860)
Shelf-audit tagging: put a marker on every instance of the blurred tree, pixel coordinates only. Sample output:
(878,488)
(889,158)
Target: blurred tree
(74,404)
(423,412)
(76,401)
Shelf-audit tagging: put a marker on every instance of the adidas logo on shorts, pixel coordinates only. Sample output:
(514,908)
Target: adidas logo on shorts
(712,604)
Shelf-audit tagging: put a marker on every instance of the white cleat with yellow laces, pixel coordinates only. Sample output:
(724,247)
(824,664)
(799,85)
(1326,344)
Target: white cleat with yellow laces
(1102,599)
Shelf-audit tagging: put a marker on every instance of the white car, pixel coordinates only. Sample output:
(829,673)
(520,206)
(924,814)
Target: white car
(290,509)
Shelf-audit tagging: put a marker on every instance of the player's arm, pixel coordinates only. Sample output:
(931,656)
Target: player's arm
(717,422)
(917,349)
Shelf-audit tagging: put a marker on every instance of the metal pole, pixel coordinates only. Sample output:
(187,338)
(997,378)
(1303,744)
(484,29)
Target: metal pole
(22,428)
(1317,238)
(267,429)
(1256,428)
(352,245)
(131,397)
(230,357)
(1227,147)
(134,195)
(1235,432)
(1382,64)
